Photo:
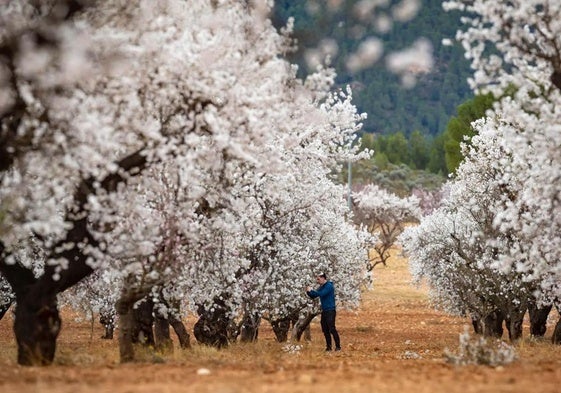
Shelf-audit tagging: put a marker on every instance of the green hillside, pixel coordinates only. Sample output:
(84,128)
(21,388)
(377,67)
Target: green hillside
(391,108)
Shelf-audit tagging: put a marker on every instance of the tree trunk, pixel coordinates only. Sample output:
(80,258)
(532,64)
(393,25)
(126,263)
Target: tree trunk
(514,327)
(126,330)
(493,324)
(303,326)
(250,327)
(36,327)
(180,331)
(212,327)
(37,323)
(514,321)
(477,325)
(143,321)
(172,318)
(281,328)
(538,319)
(135,324)
(37,320)
(307,334)
(164,344)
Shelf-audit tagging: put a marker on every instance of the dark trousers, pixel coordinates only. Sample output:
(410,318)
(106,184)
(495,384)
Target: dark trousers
(328,328)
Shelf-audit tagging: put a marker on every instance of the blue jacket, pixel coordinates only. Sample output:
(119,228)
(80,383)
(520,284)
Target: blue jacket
(326,294)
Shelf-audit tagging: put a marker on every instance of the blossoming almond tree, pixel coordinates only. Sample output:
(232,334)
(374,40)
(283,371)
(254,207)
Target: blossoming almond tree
(527,36)
(283,220)
(71,141)
(385,215)
(132,162)
(457,247)
(514,47)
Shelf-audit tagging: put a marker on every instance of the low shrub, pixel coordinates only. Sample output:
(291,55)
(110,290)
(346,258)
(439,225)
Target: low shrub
(480,350)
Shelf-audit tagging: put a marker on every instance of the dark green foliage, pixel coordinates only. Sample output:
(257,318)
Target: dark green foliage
(417,151)
(405,128)
(459,128)
(400,164)
(428,106)
(437,162)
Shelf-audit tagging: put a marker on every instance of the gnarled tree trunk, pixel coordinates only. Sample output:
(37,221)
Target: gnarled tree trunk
(212,327)
(493,324)
(126,329)
(302,327)
(250,327)
(135,324)
(477,325)
(143,332)
(162,334)
(514,320)
(556,337)
(538,319)
(37,320)
(281,327)
(180,331)
(514,327)
(36,327)
(164,343)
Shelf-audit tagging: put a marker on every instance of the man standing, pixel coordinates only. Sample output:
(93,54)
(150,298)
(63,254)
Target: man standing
(326,294)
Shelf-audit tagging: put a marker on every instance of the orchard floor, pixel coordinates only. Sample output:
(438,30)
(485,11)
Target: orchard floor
(393,343)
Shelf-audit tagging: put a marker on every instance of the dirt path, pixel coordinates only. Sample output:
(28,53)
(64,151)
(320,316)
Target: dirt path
(393,343)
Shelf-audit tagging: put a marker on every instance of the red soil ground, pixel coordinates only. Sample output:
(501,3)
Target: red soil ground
(393,324)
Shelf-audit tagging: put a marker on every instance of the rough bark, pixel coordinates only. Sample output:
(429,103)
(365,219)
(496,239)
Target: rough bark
(493,324)
(556,78)
(514,327)
(538,319)
(135,325)
(36,327)
(180,331)
(164,343)
(143,332)
(250,327)
(37,321)
(126,330)
(302,327)
(281,327)
(477,325)
(212,326)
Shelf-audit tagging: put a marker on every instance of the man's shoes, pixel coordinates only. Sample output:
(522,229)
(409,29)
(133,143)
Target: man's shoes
(338,349)
(328,349)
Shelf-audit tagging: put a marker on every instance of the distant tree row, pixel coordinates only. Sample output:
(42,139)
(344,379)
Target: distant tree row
(403,163)
(492,250)
(416,151)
